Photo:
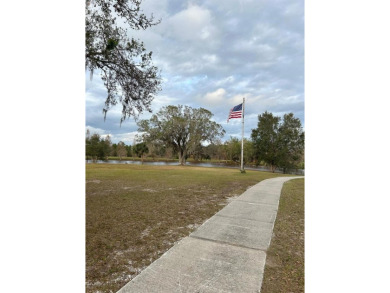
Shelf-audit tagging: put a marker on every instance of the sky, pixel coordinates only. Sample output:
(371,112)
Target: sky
(212,54)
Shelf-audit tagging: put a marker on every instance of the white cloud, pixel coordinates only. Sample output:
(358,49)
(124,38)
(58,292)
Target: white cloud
(210,58)
(160,102)
(237,99)
(128,138)
(226,80)
(214,98)
(93,130)
(92,99)
(193,23)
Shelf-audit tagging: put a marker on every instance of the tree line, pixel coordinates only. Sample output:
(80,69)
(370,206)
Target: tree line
(181,132)
(101,148)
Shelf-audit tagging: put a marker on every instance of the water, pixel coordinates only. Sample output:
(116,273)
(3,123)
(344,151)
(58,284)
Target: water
(197,164)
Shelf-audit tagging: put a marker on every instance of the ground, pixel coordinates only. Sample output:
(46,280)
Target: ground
(284,268)
(135,213)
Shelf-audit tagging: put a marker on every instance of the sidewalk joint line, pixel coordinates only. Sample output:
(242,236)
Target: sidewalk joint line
(257,203)
(243,219)
(227,243)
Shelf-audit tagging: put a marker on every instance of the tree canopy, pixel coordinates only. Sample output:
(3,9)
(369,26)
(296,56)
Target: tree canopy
(181,127)
(278,143)
(140,149)
(97,147)
(126,67)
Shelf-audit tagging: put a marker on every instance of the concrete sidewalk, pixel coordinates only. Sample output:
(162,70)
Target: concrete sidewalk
(226,254)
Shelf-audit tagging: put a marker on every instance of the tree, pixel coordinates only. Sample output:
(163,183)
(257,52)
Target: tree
(87,144)
(265,138)
(126,67)
(182,128)
(104,148)
(93,146)
(114,152)
(212,151)
(197,151)
(140,149)
(292,142)
(128,150)
(121,150)
(248,151)
(233,149)
(278,144)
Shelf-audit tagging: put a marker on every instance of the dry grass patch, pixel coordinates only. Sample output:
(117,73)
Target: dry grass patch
(135,213)
(284,268)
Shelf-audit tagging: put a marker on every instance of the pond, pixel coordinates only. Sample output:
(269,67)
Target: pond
(197,164)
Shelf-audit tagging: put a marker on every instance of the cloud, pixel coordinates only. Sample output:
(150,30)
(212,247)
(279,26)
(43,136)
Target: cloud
(213,53)
(214,98)
(128,138)
(93,130)
(193,23)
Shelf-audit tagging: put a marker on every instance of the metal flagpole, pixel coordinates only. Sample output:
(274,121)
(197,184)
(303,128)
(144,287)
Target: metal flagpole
(242,140)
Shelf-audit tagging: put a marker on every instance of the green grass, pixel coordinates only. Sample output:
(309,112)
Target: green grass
(159,159)
(284,268)
(135,213)
(146,159)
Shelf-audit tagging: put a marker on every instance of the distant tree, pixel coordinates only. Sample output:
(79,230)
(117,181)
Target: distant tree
(125,66)
(87,135)
(97,147)
(182,128)
(114,152)
(249,154)
(160,150)
(291,142)
(220,152)
(140,149)
(197,151)
(93,146)
(87,144)
(265,139)
(104,148)
(128,151)
(278,144)
(169,153)
(213,150)
(121,149)
(233,149)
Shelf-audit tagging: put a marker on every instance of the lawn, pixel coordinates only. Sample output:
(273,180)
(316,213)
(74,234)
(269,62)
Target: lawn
(284,268)
(135,213)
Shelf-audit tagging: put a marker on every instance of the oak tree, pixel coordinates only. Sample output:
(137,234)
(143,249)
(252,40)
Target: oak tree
(181,127)
(125,65)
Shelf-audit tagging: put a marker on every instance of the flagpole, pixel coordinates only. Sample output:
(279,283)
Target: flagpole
(242,140)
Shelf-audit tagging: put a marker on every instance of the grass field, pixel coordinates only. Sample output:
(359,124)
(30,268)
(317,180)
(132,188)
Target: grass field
(135,213)
(284,268)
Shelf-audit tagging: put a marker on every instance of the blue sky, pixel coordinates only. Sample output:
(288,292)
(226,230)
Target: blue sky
(212,54)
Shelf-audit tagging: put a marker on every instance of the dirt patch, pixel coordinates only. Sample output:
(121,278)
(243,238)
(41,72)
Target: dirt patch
(93,181)
(149,190)
(271,263)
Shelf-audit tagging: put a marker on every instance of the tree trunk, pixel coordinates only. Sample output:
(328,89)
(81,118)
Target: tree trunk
(182,157)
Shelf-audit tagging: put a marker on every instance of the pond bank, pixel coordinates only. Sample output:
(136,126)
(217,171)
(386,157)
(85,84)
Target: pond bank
(197,164)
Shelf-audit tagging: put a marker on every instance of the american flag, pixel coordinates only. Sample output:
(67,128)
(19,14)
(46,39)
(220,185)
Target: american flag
(235,112)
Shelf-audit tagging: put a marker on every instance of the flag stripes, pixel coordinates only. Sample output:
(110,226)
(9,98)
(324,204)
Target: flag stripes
(235,112)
